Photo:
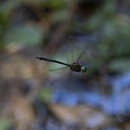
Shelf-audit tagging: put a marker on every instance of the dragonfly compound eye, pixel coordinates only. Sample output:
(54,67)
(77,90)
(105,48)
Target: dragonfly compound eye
(83,69)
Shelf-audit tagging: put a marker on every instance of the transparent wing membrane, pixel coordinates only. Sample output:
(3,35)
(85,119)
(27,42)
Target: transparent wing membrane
(82,53)
(58,69)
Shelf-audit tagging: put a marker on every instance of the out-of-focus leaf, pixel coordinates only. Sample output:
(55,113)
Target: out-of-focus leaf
(59,15)
(4,124)
(45,94)
(115,38)
(33,1)
(101,16)
(94,23)
(26,34)
(93,65)
(7,7)
(109,8)
(55,3)
(120,65)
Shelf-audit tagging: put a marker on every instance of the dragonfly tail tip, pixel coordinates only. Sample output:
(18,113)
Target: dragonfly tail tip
(37,57)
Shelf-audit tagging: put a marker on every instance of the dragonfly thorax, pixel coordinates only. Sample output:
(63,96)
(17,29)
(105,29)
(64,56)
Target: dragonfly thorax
(78,68)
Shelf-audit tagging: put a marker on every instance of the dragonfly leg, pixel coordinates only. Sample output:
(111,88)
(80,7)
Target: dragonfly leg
(79,57)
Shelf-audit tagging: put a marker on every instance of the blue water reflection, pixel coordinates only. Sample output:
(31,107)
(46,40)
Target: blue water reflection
(118,102)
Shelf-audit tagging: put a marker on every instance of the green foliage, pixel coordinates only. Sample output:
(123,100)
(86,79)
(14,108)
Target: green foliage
(55,3)
(4,124)
(5,10)
(59,15)
(7,7)
(115,38)
(44,94)
(26,34)
(114,31)
(101,17)
(120,65)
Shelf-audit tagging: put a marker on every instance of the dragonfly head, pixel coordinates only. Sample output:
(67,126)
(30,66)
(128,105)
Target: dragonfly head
(83,68)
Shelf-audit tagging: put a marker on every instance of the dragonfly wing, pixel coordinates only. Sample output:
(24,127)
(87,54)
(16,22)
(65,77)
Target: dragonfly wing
(58,69)
(81,55)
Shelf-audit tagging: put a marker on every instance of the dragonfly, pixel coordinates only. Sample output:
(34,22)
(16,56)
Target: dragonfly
(75,66)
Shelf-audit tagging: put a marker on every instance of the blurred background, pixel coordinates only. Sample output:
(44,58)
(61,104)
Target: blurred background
(36,95)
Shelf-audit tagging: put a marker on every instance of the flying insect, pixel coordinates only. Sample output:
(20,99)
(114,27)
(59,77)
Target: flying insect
(75,66)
